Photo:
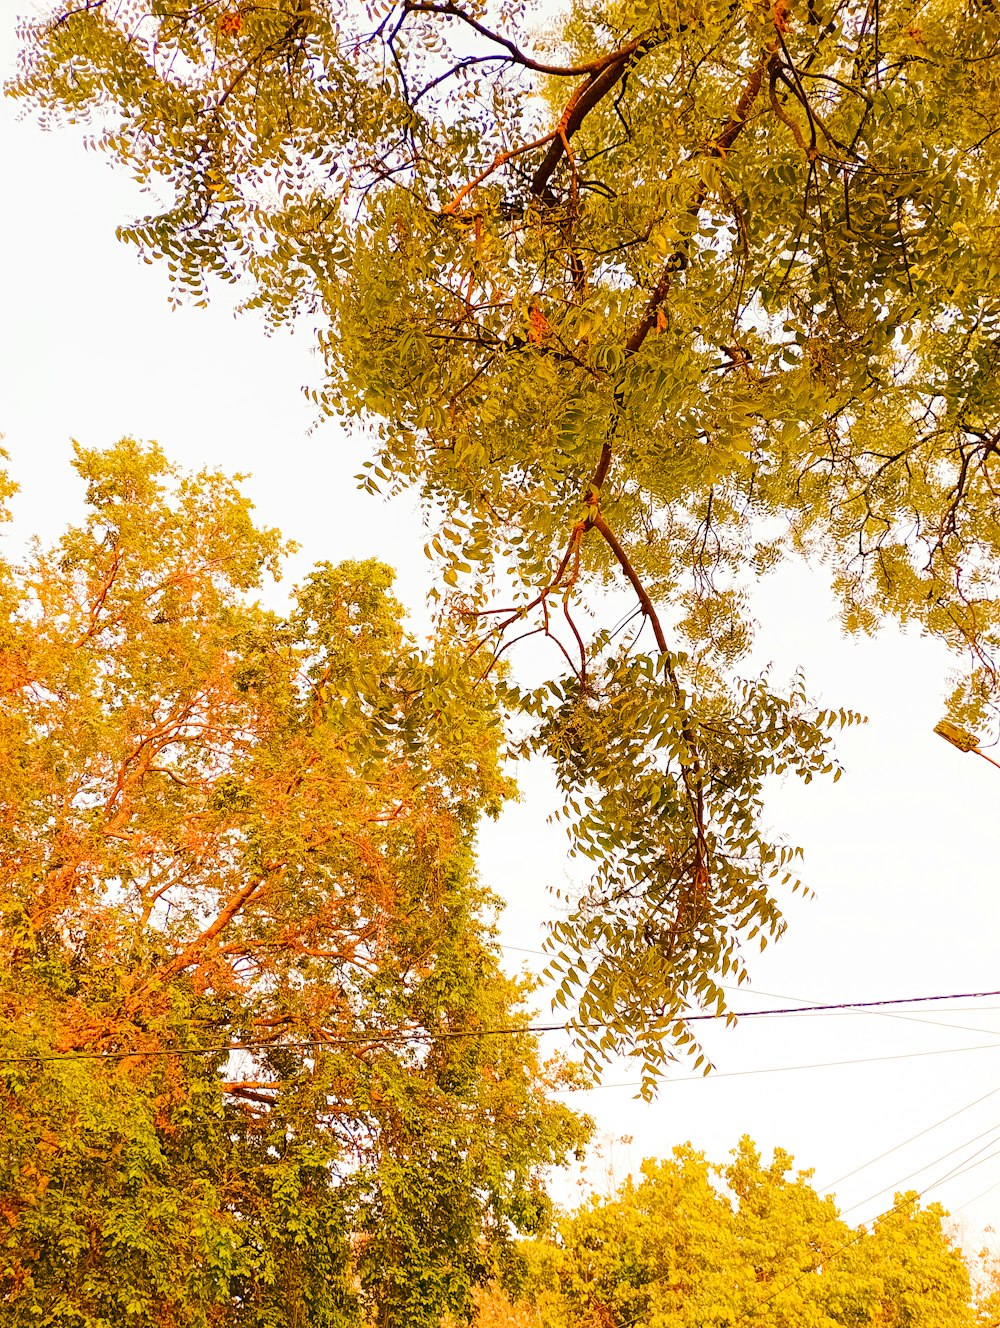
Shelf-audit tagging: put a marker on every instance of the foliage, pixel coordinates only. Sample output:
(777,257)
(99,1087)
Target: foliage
(988,1302)
(245,961)
(660,293)
(703,1246)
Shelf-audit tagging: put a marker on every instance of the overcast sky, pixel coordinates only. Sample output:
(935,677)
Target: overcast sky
(902,853)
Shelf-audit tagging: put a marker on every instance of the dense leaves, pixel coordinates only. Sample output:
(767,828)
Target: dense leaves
(246,967)
(692,1245)
(654,295)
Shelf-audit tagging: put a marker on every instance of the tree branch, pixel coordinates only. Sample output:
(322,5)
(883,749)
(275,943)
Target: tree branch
(621,557)
(450,10)
(591,91)
(499,160)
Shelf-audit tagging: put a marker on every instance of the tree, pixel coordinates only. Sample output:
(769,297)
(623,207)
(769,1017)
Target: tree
(653,297)
(249,1064)
(691,1244)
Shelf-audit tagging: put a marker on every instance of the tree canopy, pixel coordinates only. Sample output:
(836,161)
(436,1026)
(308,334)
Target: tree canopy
(692,1245)
(649,294)
(250,1068)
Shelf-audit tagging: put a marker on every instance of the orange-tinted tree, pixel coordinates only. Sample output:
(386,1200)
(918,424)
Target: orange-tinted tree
(245,959)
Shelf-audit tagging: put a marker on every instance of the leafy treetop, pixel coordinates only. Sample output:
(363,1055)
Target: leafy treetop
(691,1245)
(657,293)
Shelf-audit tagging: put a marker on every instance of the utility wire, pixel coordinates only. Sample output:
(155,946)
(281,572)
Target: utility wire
(912,1139)
(885,1014)
(967,1165)
(981,1195)
(827,1259)
(397,1036)
(787,1069)
(781,996)
(991,1130)
(862,1230)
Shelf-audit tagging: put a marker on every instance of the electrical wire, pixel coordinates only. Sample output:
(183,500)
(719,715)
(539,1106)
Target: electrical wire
(981,1195)
(885,1014)
(967,1165)
(787,1069)
(781,996)
(862,1230)
(912,1139)
(395,1036)
(991,1130)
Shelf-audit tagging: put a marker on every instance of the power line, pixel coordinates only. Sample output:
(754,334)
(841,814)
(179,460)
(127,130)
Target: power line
(886,1014)
(807,1006)
(392,1037)
(981,1195)
(912,1139)
(816,1065)
(991,1130)
(862,1230)
(967,1165)
(403,1036)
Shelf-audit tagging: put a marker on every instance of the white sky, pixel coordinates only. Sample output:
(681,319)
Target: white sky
(901,853)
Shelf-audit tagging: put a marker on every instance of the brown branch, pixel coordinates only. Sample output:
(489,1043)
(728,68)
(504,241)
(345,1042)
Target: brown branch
(499,160)
(621,557)
(251,1092)
(194,948)
(720,146)
(660,291)
(592,90)
(785,118)
(69,14)
(450,10)
(693,777)
(102,595)
(751,91)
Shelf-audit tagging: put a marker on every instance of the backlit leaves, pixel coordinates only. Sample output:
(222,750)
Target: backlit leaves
(651,299)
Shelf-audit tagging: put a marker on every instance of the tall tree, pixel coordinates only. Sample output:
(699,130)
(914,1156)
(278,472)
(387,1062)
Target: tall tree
(655,294)
(249,1000)
(691,1245)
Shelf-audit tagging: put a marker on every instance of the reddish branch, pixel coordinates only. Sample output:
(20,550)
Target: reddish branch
(692,771)
(597,83)
(195,949)
(720,146)
(102,595)
(590,92)
(692,774)
(499,160)
(598,523)
(563,579)
(592,67)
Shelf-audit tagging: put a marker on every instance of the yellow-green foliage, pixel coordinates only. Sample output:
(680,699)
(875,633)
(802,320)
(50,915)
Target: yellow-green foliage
(692,1245)
(658,293)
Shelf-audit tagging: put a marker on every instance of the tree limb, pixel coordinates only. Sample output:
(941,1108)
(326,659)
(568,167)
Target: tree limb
(450,10)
